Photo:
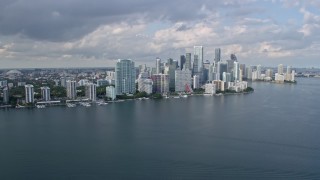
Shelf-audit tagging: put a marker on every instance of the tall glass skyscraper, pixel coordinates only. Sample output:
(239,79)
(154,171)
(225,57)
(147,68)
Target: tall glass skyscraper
(188,61)
(217,55)
(125,77)
(198,50)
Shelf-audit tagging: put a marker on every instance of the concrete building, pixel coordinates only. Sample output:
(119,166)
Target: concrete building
(111,92)
(102,82)
(45,93)
(71,89)
(210,88)
(160,83)
(219,85)
(145,83)
(5,92)
(236,71)
(196,82)
(91,91)
(125,77)
(280,69)
(279,78)
(83,82)
(29,93)
(269,73)
(226,77)
(182,80)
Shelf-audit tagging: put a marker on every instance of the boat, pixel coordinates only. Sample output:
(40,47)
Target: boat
(184,96)
(102,103)
(19,106)
(71,105)
(40,106)
(85,104)
(176,97)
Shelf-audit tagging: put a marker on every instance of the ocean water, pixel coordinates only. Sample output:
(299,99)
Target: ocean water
(272,133)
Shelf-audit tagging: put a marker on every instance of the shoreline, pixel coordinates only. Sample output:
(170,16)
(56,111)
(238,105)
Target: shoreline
(103,103)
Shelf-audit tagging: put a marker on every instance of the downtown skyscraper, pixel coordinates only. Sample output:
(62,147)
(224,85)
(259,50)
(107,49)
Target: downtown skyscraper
(217,55)
(125,76)
(198,51)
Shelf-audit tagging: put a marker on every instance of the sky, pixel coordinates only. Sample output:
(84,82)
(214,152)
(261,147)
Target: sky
(95,33)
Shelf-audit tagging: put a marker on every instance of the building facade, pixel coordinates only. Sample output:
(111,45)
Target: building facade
(125,76)
(182,80)
(91,91)
(45,93)
(71,89)
(29,93)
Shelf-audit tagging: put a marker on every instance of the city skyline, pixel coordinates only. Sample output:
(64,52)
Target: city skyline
(49,34)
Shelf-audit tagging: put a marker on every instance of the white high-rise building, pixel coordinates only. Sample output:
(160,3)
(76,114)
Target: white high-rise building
(198,50)
(292,75)
(196,82)
(91,91)
(259,71)
(45,93)
(71,89)
(269,73)
(210,88)
(226,77)
(182,79)
(111,92)
(236,71)
(219,85)
(289,69)
(125,77)
(29,92)
(280,69)
(279,78)
(249,72)
(145,83)
(5,92)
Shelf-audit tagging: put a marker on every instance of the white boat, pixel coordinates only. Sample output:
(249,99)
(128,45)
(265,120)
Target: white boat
(40,106)
(85,104)
(176,97)
(19,106)
(184,96)
(102,103)
(71,105)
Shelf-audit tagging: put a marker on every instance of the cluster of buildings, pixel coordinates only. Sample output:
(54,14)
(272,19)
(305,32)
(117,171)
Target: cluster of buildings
(191,72)
(182,76)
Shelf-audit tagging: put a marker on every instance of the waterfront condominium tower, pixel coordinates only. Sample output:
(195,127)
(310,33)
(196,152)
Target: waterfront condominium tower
(45,93)
(217,53)
(5,92)
(182,80)
(29,91)
(280,69)
(125,77)
(91,91)
(198,51)
(71,89)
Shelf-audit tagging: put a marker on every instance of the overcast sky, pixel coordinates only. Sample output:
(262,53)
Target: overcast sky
(94,33)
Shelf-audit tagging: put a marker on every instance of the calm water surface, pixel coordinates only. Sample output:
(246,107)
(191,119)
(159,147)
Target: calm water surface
(272,133)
